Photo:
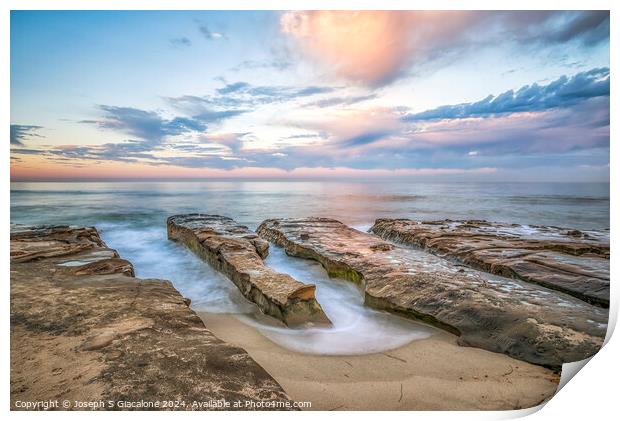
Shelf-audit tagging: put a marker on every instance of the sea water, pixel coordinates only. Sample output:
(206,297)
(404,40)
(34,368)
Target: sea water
(131,217)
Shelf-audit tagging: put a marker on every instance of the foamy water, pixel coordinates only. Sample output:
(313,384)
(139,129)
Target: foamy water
(356,329)
(154,256)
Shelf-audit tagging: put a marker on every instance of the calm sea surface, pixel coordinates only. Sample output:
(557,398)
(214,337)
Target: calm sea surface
(131,217)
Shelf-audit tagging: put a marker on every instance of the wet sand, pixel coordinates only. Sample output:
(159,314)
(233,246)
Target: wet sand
(428,374)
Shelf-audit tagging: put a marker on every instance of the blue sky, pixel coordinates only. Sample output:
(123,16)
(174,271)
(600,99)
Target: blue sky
(462,95)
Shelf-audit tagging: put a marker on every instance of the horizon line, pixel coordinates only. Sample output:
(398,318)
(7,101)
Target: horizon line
(283,179)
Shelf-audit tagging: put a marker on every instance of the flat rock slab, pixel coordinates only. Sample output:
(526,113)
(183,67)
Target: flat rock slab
(504,315)
(238,253)
(572,261)
(84,329)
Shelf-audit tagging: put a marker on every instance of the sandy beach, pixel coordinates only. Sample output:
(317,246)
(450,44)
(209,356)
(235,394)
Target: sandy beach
(433,373)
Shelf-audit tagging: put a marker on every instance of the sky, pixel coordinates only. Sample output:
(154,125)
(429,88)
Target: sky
(447,95)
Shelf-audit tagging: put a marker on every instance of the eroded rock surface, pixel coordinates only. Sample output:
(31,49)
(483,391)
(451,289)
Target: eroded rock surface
(572,261)
(504,315)
(238,253)
(83,328)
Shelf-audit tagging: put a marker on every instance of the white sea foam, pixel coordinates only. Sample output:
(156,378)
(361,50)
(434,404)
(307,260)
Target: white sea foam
(154,256)
(356,328)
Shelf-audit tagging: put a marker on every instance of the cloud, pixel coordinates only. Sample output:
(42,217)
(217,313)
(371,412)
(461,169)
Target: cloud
(340,100)
(180,42)
(239,97)
(563,92)
(565,122)
(277,64)
(209,34)
(270,92)
(152,130)
(313,90)
(233,87)
(143,124)
(562,118)
(557,27)
(377,47)
(233,141)
(584,126)
(382,140)
(20,132)
(364,46)
(303,136)
(128,151)
(349,128)
(149,125)
(209,116)
(366,138)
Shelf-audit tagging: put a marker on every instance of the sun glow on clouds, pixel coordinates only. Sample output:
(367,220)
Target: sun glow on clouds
(359,115)
(371,47)
(342,125)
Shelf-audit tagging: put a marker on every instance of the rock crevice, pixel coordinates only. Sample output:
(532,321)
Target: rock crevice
(238,253)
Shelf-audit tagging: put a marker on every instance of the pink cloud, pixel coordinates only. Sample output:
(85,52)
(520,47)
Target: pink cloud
(341,125)
(554,131)
(372,47)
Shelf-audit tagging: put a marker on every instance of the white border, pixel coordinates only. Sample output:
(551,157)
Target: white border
(590,395)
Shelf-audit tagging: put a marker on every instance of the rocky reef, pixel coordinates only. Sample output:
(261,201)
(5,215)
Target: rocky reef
(83,329)
(238,253)
(572,261)
(526,321)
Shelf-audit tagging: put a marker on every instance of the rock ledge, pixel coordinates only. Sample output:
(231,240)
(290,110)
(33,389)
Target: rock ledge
(571,261)
(522,320)
(238,253)
(83,328)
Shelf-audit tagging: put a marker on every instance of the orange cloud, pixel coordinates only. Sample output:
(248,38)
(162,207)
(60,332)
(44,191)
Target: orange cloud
(372,47)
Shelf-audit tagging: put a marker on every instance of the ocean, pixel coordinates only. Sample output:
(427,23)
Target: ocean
(131,217)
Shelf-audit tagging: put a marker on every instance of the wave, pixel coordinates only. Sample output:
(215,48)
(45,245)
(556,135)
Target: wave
(557,199)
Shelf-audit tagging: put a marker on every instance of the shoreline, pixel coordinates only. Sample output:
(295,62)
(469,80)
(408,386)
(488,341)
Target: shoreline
(426,374)
(110,341)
